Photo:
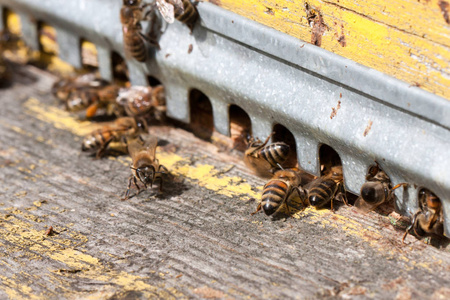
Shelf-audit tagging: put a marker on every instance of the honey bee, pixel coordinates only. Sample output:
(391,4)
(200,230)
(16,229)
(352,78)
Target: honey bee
(279,190)
(182,10)
(145,166)
(93,99)
(376,190)
(429,219)
(326,188)
(262,158)
(64,87)
(189,15)
(99,140)
(131,15)
(140,100)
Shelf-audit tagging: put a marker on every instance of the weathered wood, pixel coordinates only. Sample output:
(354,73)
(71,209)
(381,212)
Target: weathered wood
(195,240)
(407,39)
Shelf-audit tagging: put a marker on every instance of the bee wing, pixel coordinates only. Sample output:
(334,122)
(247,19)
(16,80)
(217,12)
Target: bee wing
(143,142)
(167,11)
(363,206)
(150,143)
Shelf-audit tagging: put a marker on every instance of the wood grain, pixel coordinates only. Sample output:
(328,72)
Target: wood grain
(195,240)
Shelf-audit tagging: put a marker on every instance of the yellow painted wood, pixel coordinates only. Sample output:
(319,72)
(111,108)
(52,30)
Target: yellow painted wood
(407,39)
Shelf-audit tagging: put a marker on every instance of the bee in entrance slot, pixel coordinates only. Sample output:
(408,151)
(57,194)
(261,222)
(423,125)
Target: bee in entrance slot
(376,190)
(280,189)
(262,158)
(143,100)
(64,87)
(429,219)
(94,99)
(131,15)
(145,166)
(325,189)
(99,141)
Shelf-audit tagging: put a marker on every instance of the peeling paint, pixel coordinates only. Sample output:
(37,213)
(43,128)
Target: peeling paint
(378,34)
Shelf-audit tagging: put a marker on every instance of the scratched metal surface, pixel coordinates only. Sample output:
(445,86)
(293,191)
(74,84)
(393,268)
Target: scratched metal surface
(196,240)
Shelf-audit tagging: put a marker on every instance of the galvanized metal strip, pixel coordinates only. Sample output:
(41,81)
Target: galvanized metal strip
(277,79)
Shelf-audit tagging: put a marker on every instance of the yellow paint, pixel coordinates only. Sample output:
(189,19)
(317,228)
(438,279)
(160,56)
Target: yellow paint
(13,23)
(89,53)
(20,234)
(407,39)
(59,118)
(17,290)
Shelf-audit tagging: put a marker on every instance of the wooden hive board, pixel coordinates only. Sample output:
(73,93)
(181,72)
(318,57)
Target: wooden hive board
(407,39)
(195,240)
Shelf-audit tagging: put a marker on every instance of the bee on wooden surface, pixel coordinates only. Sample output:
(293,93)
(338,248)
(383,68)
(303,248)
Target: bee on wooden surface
(429,219)
(64,87)
(279,190)
(325,189)
(145,166)
(143,100)
(93,99)
(99,140)
(262,158)
(376,190)
(131,15)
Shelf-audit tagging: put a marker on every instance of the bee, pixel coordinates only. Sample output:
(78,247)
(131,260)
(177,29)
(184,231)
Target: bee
(182,10)
(429,219)
(99,140)
(64,87)
(145,166)
(131,15)
(326,188)
(376,190)
(189,15)
(262,158)
(140,100)
(93,99)
(279,190)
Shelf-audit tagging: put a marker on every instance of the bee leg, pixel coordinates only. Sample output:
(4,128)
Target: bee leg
(153,43)
(410,227)
(136,184)
(399,185)
(101,151)
(255,151)
(128,188)
(303,196)
(257,209)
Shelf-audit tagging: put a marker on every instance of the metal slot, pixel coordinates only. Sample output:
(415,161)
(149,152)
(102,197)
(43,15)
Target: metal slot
(319,97)
(240,127)
(201,114)
(282,134)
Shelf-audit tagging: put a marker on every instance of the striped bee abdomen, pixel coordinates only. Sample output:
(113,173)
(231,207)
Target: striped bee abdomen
(321,194)
(135,45)
(93,141)
(190,15)
(273,195)
(275,153)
